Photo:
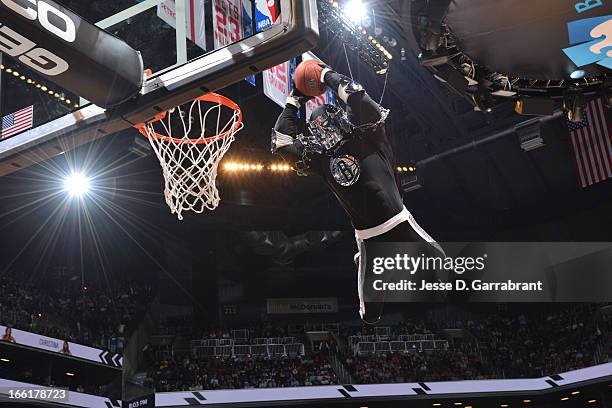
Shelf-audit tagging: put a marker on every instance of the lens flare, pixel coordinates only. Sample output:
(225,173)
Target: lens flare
(77,184)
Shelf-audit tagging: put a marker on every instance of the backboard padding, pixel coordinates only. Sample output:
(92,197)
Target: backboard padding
(295,32)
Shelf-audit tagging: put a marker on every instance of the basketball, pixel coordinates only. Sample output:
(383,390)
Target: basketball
(308,78)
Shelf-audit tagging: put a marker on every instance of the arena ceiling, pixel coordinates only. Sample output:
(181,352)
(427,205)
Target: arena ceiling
(482,189)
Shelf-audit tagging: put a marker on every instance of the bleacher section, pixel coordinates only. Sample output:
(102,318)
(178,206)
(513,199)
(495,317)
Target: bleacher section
(274,346)
(363,345)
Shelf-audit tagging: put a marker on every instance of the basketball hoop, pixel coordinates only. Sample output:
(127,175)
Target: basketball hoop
(190,148)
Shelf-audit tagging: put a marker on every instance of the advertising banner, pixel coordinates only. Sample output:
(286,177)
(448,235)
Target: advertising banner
(70,52)
(302,305)
(24,338)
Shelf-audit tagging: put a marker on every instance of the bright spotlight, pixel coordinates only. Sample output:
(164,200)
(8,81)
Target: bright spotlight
(355,10)
(77,184)
(577,74)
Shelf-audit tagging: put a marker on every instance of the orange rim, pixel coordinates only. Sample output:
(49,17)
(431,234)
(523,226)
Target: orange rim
(210,97)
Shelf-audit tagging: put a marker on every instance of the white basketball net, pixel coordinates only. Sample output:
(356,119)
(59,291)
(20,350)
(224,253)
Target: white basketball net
(190,162)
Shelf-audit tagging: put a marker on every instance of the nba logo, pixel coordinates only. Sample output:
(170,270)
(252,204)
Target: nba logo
(265,13)
(593,37)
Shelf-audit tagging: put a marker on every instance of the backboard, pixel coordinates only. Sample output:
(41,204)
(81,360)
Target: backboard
(191,46)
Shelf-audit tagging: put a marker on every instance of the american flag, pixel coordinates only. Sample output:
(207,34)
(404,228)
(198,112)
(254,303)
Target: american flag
(17,122)
(591,142)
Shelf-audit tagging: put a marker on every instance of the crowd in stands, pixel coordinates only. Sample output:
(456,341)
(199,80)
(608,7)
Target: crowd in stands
(238,372)
(536,343)
(508,345)
(93,316)
(184,371)
(442,365)
(453,362)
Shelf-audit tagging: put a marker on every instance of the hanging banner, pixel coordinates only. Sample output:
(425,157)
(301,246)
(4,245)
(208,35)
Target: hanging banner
(247,27)
(328,98)
(227,22)
(69,51)
(278,82)
(247,18)
(195,19)
(266,13)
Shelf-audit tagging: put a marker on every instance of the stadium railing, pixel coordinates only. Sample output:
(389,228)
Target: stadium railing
(369,348)
(269,350)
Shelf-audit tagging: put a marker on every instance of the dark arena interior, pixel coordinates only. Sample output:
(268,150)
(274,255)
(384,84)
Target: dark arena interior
(147,262)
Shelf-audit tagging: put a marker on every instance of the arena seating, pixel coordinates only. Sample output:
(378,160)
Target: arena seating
(509,345)
(502,345)
(241,372)
(93,316)
(534,344)
(258,357)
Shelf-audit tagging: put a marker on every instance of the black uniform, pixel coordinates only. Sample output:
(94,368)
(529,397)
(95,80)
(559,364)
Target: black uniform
(375,197)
